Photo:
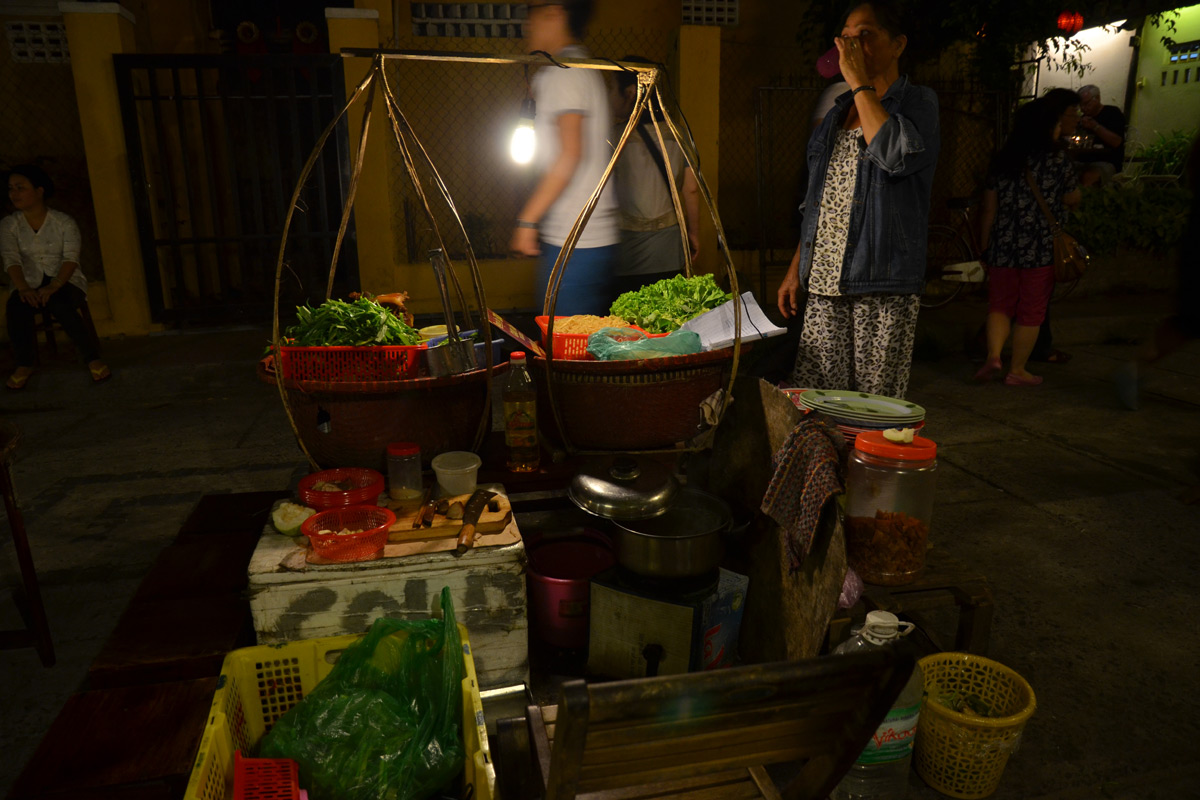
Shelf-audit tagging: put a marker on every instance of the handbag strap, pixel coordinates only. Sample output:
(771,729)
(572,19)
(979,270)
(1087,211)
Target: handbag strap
(1037,193)
(656,154)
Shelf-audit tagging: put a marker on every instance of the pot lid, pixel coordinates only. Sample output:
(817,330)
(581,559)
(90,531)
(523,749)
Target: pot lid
(623,487)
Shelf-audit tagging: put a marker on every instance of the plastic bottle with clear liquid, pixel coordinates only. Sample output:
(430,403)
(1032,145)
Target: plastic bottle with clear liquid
(520,417)
(881,771)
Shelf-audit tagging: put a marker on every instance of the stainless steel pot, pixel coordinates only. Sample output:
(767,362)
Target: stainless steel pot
(682,542)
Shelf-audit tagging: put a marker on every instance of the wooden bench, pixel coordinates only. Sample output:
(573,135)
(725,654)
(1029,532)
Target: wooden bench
(133,742)
(712,734)
(945,583)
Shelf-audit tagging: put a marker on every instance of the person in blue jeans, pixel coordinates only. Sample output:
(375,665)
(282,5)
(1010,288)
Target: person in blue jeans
(572,124)
(861,256)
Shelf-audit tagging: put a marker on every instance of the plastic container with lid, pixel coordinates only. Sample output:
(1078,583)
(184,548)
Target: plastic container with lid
(889,507)
(405,485)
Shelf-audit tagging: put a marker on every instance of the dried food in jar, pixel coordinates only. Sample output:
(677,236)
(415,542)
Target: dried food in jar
(887,549)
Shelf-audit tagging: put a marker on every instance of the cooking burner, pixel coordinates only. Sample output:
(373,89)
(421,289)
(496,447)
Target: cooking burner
(684,590)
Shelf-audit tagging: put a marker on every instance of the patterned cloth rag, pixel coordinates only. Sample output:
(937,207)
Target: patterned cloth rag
(808,472)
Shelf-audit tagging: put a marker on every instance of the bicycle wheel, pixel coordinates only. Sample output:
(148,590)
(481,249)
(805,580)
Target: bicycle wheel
(947,248)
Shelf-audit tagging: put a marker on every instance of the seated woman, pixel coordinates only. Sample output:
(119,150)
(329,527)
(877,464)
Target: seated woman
(40,248)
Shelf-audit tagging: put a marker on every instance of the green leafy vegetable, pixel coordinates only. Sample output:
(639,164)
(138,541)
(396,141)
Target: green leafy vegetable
(663,306)
(971,704)
(362,323)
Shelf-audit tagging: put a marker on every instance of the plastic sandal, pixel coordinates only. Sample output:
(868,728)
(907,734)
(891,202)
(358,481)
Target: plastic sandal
(100,374)
(1016,380)
(17,382)
(988,371)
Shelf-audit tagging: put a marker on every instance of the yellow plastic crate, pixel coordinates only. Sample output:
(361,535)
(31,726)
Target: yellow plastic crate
(259,684)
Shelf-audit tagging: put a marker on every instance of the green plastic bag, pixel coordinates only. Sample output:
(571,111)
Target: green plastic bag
(616,344)
(385,724)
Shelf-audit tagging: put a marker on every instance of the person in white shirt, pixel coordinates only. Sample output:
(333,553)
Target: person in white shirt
(572,128)
(651,245)
(40,248)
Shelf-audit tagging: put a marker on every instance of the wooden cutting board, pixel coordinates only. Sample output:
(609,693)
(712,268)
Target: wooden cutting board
(489,522)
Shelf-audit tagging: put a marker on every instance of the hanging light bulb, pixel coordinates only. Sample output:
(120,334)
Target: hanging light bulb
(524,142)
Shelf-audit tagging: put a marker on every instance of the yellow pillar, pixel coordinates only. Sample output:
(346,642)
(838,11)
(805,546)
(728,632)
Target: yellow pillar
(700,98)
(95,31)
(359,27)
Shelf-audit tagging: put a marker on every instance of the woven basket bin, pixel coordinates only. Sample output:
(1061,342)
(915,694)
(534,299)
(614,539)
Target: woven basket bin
(632,405)
(960,755)
(438,414)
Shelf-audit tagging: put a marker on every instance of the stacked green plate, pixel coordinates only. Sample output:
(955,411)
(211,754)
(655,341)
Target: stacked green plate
(862,410)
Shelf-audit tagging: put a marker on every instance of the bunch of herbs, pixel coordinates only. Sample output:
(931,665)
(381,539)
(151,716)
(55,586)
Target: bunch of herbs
(337,323)
(663,306)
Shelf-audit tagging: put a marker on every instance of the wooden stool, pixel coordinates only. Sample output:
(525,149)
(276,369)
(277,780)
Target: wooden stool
(45,325)
(945,582)
(29,599)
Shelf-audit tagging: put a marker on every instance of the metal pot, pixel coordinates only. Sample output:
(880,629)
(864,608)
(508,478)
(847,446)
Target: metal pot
(659,530)
(682,542)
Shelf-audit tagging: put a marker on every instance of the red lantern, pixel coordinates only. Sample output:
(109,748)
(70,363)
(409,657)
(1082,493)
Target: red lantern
(1070,22)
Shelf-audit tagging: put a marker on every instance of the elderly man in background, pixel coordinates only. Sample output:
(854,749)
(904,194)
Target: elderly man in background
(1106,127)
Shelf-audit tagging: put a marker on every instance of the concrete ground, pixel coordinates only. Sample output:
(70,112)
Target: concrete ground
(1067,501)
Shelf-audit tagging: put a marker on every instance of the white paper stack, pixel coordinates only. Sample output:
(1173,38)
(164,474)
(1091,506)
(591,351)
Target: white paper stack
(716,327)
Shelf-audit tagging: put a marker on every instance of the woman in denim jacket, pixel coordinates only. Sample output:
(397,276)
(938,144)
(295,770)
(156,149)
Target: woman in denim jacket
(861,255)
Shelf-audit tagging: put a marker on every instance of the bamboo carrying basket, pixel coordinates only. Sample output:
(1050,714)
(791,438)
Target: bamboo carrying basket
(641,406)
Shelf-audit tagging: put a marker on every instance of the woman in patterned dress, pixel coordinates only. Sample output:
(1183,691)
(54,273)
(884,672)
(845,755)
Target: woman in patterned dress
(1017,240)
(861,255)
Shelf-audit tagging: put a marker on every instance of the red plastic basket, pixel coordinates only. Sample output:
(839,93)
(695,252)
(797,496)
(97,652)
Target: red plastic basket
(366,486)
(373,521)
(570,346)
(351,364)
(265,778)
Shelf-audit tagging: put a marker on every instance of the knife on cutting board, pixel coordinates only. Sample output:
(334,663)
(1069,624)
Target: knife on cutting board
(472,512)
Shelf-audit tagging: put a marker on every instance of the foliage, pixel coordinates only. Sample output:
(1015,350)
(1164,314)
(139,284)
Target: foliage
(1139,215)
(358,324)
(1167,154)
(667,304)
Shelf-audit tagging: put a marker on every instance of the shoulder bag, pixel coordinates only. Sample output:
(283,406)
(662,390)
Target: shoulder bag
(1070,257)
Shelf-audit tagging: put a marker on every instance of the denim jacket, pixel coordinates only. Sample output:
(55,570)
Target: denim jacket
(889,218)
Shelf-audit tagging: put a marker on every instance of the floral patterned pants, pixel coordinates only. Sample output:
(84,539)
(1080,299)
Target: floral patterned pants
(859,342)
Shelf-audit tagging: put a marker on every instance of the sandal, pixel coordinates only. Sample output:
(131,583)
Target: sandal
(1012,379)
(988,371)
(1054,357)
(17,382)
(100,373)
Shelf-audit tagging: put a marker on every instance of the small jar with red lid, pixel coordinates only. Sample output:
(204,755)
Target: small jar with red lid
(405,484)
(889,506)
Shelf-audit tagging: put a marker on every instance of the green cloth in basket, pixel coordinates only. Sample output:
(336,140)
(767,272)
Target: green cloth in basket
(618,344)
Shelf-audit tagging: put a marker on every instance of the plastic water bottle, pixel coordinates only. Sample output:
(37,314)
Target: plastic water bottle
(881,772)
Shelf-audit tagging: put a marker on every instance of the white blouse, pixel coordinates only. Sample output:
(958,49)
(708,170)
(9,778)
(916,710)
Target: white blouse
(42,252)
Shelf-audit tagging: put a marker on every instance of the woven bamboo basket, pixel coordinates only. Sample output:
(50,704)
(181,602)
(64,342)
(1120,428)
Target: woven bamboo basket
(637,405)
(351,424)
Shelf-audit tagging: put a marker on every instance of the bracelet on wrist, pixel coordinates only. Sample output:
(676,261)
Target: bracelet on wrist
(524,223)
(866,87)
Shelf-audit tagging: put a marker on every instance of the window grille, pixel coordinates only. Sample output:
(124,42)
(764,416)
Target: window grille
(37,42)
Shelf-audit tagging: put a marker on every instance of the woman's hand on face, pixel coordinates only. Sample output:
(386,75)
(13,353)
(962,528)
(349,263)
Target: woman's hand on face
(787,296)
(525,242)
(851,61)
(30,297)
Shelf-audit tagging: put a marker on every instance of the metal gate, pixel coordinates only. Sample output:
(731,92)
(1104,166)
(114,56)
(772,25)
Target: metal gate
(216,145)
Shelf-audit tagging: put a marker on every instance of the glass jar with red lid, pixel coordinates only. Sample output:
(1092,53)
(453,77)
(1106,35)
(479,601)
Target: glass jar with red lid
(889,507)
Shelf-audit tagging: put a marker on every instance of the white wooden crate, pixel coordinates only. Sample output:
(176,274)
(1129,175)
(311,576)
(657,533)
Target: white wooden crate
(292,600)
